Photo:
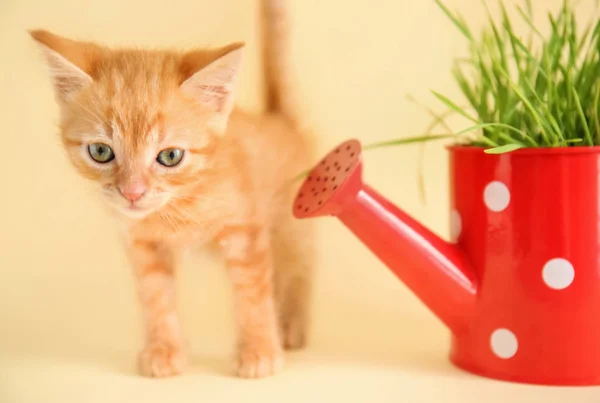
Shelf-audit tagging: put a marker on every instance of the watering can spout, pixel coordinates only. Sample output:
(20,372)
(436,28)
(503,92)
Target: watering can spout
(435,270)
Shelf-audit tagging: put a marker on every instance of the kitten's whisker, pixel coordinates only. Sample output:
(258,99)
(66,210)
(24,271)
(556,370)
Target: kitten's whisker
(187,215)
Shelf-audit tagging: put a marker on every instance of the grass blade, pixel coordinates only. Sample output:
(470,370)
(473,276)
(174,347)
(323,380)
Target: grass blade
(450,104)
(529,21)
(595,113)
(462,27)
(501,126)
(586,129)
(503,149)
(464,86)
(553,123)
(532,110)
(531,58)
(407,140)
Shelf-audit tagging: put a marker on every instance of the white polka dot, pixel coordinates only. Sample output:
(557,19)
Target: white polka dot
(455,225)
(558,273)
(496,196)
(504,343)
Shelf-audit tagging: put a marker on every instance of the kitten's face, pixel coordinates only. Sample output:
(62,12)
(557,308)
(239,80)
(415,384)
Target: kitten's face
(142,125)
(142,146)
(138,169)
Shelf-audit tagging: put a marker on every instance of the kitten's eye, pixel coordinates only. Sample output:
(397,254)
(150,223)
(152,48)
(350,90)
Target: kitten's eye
(170,157)
(101,153)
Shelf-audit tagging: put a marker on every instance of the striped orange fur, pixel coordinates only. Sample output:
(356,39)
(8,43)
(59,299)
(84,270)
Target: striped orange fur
(230,186)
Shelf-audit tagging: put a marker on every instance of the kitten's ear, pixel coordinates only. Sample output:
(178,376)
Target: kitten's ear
(68,61)
(213,85)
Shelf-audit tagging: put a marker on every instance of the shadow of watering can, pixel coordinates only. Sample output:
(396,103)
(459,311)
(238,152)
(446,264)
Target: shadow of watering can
(519,284)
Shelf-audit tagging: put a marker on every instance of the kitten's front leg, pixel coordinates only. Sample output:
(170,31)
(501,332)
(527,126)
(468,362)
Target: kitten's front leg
(163,354)
(247,253)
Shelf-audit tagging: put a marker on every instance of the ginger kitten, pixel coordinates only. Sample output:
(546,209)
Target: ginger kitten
(179,165)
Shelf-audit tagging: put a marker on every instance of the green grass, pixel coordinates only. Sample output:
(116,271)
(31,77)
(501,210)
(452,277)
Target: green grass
(542,91)
(523,95)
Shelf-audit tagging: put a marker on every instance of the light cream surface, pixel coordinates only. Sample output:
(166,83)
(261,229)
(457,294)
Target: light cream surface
(70,326)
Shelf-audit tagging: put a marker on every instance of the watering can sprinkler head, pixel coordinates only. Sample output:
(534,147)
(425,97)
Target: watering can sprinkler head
(333,181)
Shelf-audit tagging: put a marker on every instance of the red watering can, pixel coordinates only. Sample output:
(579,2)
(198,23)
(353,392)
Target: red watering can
(519,285)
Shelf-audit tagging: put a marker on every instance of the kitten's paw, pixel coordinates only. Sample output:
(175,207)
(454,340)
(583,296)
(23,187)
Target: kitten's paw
(294,333)
(160,360)
(259,361)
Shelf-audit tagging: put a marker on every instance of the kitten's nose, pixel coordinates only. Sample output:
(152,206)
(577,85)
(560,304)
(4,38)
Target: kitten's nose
(133,192)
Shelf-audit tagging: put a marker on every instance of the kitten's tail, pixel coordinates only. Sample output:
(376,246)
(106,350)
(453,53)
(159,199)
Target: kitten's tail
(276,59)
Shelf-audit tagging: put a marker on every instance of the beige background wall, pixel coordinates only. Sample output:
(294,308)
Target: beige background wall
(69,325)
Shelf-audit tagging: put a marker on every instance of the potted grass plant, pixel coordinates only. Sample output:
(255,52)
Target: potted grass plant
(520,95)
(518,283)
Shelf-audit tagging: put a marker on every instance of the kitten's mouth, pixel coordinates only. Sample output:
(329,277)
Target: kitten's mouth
(135,211)
(138,209)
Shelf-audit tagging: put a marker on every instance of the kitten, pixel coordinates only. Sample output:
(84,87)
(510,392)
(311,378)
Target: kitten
(179,165)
